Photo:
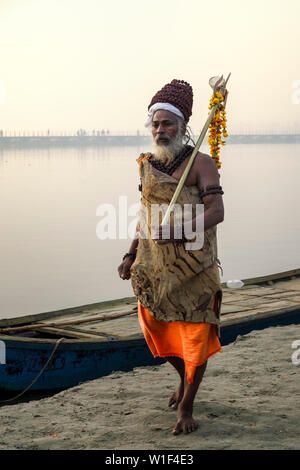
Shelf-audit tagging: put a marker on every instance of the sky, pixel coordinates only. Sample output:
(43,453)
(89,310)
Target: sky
(94,64)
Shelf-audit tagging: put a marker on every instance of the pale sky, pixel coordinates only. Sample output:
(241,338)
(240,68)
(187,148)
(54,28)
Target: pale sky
(93,64)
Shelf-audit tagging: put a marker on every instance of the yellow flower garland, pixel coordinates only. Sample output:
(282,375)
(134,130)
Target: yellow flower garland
(217,128)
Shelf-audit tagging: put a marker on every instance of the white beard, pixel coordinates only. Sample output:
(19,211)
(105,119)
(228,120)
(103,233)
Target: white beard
(167,152)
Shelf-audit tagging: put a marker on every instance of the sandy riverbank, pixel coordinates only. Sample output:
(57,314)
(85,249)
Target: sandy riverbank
(249,399)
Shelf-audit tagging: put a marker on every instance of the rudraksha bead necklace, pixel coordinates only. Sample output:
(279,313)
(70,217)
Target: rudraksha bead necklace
(169,169)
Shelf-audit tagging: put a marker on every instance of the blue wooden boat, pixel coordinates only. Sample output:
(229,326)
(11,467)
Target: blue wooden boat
(56,350)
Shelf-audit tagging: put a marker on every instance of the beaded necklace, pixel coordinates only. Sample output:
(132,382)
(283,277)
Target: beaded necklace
(186,151)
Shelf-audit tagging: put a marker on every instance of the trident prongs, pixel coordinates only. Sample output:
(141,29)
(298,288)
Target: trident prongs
(216,84)
(222,87)
(227,79)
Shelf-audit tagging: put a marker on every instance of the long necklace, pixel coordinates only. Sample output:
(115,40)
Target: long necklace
(186,151)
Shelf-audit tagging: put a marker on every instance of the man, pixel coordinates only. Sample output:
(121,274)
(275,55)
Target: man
(178,290)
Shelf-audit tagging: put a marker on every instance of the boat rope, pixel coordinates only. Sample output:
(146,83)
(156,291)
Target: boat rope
(39,374)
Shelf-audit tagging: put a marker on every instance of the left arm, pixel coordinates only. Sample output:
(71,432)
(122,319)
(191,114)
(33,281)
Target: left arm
(207,175)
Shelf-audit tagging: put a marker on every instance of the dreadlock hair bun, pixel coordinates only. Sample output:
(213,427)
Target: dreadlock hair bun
(178,93)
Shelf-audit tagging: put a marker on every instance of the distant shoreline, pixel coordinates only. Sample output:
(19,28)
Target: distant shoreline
(111,140)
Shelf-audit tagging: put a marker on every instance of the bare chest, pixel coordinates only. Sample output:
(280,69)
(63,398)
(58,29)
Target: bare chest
(192,177)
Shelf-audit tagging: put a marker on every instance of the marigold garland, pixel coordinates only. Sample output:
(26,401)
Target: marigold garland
(217,128)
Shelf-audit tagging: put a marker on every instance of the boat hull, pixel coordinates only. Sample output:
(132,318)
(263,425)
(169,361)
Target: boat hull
(104,345)
(74,363)
(71,364)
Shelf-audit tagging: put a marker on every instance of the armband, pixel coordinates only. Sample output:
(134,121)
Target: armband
(129,255)
(211,189)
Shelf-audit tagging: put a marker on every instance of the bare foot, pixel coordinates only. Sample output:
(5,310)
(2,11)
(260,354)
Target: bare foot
(185,423)
(176,397)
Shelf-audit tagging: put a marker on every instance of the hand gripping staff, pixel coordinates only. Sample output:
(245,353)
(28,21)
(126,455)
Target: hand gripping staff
(219,84)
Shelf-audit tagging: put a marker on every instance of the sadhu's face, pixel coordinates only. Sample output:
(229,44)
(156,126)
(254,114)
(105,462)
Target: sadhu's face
(164,127)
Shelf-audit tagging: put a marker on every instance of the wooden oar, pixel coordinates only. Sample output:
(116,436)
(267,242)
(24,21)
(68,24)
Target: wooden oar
(192,158)
(65,323)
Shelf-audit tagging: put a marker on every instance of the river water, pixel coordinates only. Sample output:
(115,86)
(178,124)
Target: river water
(50,252)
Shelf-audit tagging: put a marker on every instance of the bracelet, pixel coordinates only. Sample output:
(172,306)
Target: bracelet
(212,189)
(129,255)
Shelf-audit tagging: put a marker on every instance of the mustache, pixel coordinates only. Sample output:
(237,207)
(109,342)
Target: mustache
(162,137)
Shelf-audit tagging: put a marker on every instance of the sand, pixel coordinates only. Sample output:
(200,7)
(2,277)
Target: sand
(249,399)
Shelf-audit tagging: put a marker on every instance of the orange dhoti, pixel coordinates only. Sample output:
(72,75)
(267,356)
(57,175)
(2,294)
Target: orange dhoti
(193,342)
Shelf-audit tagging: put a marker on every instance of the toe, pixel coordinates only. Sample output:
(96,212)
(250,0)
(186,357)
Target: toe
(194,426)
(172,400)
(177,430)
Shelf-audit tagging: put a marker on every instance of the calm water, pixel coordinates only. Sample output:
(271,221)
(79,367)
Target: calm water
(51,257)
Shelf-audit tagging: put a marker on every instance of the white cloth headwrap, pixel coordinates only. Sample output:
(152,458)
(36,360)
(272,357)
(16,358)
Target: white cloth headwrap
(166,106)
